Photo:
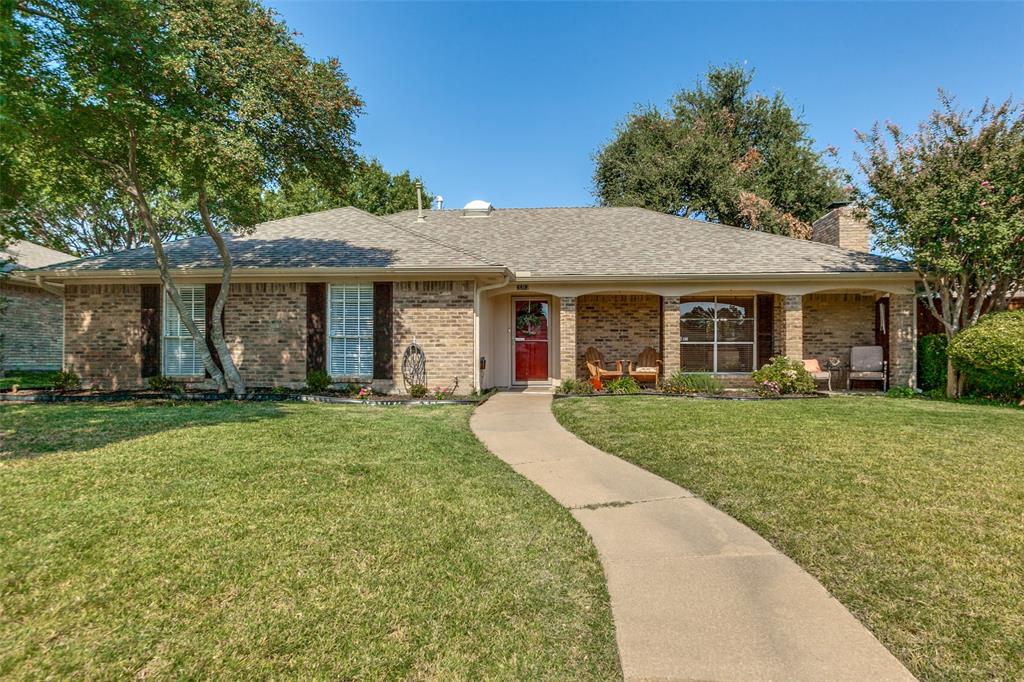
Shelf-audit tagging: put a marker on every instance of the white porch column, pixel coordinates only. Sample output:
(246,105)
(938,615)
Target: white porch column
(567,337)
(670,335)
(792,336)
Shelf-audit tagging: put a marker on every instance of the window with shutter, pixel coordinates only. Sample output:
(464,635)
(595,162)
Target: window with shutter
(181,351)
(350,331)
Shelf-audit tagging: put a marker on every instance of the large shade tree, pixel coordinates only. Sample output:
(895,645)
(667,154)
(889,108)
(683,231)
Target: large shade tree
(722,152)
(371,188)
(211,99)
(949,198)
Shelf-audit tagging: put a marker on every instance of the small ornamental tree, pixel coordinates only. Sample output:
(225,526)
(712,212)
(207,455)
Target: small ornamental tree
(949,198)
(720,152)
(212,99)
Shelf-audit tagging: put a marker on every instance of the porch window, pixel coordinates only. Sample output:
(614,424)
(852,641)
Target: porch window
(350,331)
(717,333)
(181,351)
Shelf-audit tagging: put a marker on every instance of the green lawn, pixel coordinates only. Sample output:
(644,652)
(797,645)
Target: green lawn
(25,379)
(910,512)
(271,540)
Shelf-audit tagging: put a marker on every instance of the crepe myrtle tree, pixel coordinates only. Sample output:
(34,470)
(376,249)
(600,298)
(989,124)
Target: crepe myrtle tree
(949,198)
(213,98)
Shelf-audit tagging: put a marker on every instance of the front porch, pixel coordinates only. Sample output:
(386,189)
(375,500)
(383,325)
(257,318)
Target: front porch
(724,332)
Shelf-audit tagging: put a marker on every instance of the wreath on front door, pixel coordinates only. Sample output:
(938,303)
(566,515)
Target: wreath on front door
(528,322)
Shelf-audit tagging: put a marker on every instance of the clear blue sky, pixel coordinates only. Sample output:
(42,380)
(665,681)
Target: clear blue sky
(508,101)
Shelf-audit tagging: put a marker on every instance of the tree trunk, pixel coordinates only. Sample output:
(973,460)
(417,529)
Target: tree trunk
(133,187)
(953,383)
(216,323)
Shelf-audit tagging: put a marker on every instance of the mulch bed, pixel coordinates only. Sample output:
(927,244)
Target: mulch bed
(727,395)
(51,396)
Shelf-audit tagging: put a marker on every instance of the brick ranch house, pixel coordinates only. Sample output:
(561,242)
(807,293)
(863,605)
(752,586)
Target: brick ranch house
(495,297)
(31,322)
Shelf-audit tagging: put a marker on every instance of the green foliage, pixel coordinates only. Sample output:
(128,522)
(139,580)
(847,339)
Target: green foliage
(736,157)
(576,387)
(67,381)
(682,382)
(370,188)
(932,362)
(162,383)
(622,386)
(991,355)
(781,376)
(318,380)
(949,198)
(900,392)
(417,391)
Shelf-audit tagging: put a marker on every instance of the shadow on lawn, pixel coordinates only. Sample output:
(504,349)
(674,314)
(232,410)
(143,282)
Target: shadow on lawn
(38,429)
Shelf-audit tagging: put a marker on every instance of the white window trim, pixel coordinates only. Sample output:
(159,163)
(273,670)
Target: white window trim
(715,342)
(168,305)
(331,338)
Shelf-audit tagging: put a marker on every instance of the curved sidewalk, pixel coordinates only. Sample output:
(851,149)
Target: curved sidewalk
(696,595)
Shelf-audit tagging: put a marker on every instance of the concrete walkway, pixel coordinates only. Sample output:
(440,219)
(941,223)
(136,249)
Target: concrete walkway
(696,595)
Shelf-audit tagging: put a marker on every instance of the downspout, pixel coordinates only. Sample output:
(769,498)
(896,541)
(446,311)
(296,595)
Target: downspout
(55,289)
(477,290)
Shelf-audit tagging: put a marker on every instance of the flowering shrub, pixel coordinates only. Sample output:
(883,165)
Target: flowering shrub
(442,393)
(769,389)
(365,392)
(789,376)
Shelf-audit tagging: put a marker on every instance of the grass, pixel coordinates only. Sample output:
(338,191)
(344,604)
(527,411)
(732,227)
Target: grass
(910,512)
(26,378)
(263,540)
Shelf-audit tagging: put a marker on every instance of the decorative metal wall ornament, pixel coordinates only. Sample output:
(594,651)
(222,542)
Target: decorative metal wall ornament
(414,366)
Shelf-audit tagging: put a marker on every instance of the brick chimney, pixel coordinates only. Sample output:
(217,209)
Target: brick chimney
(841,227)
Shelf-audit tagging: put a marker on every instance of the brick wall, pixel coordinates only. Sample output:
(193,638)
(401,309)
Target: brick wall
(618,325)
(439,316)
(102,333)
(265,327)
(31,328)
(833,323)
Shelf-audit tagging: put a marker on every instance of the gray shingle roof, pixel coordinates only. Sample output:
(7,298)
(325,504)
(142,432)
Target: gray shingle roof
(634,241)
(341,237)
(542,241)
(26,255)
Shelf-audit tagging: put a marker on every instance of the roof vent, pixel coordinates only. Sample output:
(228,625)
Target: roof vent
(477,209)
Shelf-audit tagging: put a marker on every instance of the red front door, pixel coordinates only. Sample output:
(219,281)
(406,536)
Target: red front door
(531,340)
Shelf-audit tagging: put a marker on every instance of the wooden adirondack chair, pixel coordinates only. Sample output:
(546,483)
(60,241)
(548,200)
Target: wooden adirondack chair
(647,367)
(595,363)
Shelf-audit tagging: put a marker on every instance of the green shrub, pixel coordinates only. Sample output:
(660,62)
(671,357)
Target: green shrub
(681,382)
(318,380)
(622,386)
(781,376)
(576,387)
(900,392)
(67,381)
(991,355)
(162,383)
(418,391)
(931,361)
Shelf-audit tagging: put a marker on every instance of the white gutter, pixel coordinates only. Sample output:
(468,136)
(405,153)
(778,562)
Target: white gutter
(477,290)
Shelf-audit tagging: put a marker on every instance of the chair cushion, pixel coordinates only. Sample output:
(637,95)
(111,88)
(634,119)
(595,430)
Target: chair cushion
(645,370)
(867,375)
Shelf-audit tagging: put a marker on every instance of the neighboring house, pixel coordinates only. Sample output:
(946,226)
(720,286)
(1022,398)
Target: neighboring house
(495,297)
(32,318)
